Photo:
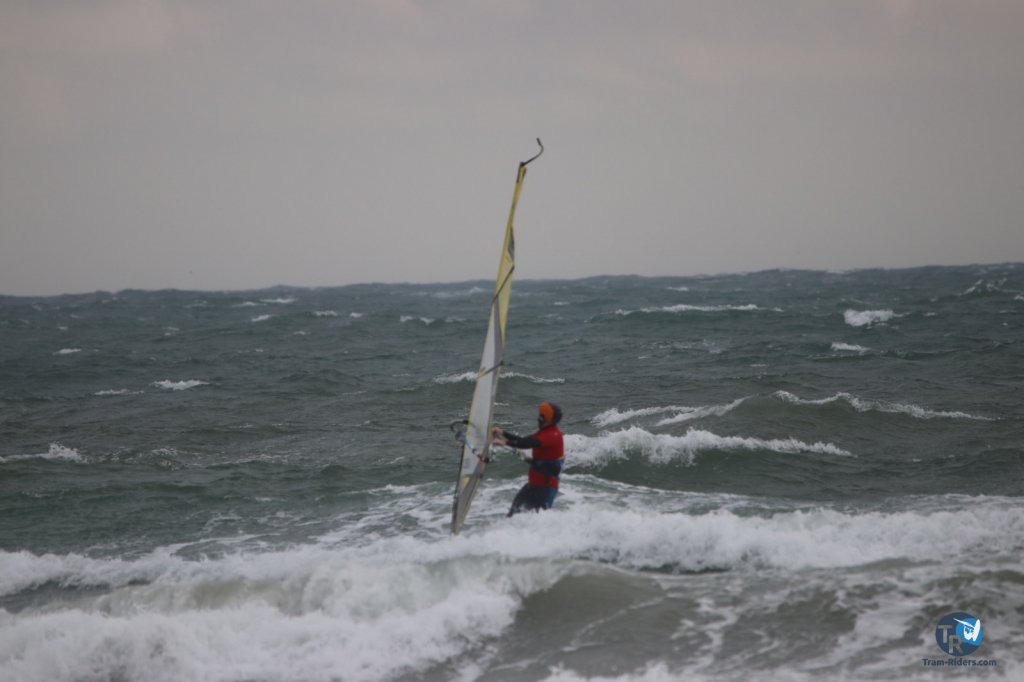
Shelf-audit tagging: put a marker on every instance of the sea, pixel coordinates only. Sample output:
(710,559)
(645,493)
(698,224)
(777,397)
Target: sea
(784,475)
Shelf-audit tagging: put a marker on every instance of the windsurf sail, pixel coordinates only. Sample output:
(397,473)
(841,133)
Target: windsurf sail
(475,436)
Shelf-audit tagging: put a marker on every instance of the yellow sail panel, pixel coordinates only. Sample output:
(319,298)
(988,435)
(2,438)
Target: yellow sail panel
(476,446)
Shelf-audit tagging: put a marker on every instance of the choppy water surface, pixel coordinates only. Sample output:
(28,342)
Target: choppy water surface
(782,475)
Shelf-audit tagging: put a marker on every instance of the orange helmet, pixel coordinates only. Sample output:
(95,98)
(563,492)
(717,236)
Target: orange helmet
(549,413)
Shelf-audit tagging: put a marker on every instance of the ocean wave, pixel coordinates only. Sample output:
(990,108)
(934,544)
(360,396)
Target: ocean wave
(867,318)
(587,451)
(456,293)
(57,452)
(455,378)
(794,540)
(307,613)
(382,607)
(983,286)
(862,405)
(179,385)
(840,347)
(687,308)
(471,376)
(117,391)
(67,351)
(261,318)
(531,378)
(679,413)
(279,301)
(362,605)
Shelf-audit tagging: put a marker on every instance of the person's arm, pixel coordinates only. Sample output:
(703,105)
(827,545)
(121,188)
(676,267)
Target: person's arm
(521,442)
(503,437)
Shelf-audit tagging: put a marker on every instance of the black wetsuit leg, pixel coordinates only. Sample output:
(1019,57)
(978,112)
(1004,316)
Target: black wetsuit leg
(529,498)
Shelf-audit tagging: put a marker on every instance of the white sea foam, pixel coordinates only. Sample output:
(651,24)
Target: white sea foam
(840,347)
(68,351)
(471,376)
(985,286)
(56,452)
(261,318)
(279,301)
(302,614)
(117,391)
(679,413)
(325,313)
(455,378)
(355,316)
(863,405)
(460,293)
(663,448)
(867,318)
(531,378)
(179,385)
(615,416)
(686,308)
(369,607)
(412,318)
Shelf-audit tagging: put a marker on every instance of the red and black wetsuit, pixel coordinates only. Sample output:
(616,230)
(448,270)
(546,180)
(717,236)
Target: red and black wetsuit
(542,480)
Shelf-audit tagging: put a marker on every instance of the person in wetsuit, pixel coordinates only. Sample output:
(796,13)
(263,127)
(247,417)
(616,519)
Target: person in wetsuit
(545,461)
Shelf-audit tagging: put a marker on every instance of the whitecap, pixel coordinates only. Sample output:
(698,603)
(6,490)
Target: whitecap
(68,351)
(983,286)
(839,347)
(686,308)
(471,376)
(179,385)
(663,448)
(455,378)
(261,318)
(863,318)
(531,378)
(863,405)
(304,613)
(681,413)
(460,293)
(57,452)
(364,606)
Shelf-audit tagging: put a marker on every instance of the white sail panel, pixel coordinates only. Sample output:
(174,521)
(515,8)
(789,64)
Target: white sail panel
(477,445)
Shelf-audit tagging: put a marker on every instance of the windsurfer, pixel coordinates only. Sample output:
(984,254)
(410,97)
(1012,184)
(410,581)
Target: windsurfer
(548,454)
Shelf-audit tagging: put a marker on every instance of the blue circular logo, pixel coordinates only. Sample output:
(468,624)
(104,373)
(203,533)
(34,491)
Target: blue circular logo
(959,633)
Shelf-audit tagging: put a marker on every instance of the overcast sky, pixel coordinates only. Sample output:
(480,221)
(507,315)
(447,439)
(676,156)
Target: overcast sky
(245,143)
